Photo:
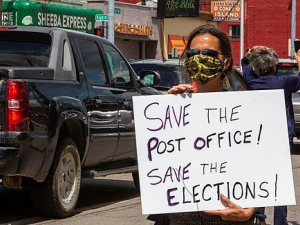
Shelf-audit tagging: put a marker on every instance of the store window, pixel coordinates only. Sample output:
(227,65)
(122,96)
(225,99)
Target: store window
(234,31)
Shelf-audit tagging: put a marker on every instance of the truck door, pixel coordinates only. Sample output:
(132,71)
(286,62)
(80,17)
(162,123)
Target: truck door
(125,87)
(102,105)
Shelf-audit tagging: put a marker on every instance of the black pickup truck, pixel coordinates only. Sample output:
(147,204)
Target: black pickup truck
(66,113)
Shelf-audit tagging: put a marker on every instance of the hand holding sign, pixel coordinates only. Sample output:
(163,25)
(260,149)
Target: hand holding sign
(232,211)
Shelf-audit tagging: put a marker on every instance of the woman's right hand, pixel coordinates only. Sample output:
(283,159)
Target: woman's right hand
(297,56)
(181,88)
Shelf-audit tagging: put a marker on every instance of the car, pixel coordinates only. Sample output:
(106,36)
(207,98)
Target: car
(290,67)
(172,73)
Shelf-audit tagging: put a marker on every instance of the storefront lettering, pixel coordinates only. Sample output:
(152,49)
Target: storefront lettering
(7,18)
(65,21)
(187,4)
(134,29)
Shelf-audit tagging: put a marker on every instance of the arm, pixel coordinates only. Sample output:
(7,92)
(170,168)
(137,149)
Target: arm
(248,73)
(232,212)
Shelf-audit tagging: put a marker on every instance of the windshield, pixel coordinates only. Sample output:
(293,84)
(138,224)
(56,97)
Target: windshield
(170,74)
(287,70)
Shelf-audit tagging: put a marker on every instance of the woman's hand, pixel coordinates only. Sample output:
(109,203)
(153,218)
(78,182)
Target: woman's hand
(232,212)
(297,55)
(179,89)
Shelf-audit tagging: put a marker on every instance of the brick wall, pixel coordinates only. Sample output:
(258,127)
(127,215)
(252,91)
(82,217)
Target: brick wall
(266,23)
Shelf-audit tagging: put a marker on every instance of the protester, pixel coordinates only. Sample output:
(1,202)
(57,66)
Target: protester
(208,60)
(259,70)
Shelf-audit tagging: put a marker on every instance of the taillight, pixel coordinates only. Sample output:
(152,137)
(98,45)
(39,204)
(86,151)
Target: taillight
(17,105)
(286,64)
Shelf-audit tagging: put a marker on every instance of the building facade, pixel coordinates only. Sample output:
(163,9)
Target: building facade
(266,23)
(137,31)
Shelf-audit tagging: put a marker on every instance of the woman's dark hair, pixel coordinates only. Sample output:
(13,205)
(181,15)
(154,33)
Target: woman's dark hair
(263,61)
(224,41)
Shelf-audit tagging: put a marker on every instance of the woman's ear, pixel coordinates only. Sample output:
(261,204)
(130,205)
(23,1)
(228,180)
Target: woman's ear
(227,63)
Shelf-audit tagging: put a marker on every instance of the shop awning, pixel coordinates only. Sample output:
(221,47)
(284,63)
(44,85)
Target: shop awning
(175,41)
(29,13)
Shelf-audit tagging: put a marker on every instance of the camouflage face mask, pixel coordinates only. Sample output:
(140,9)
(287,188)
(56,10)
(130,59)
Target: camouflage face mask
(203,68)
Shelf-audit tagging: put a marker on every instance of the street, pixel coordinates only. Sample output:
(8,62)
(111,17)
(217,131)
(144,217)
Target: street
(112,200)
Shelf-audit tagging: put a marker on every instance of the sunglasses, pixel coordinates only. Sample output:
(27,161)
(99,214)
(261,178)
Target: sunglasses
(208,52)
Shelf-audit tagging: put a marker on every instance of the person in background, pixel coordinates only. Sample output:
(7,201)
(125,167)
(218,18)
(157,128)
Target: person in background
(208,60)
(259,70)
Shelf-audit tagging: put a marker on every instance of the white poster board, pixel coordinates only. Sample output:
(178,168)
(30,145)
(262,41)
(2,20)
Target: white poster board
(194,147)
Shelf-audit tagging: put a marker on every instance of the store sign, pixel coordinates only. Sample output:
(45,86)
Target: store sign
(57,20)
(26,13)
(180,8)
(226,11)
(133,29)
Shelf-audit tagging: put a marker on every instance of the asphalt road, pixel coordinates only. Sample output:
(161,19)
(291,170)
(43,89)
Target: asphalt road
(113,200)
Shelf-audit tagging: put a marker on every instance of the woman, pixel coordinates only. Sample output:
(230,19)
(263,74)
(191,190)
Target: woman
(259,69)
(208,60)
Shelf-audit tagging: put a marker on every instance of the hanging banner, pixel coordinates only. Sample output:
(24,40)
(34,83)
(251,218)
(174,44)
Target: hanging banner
(226,11)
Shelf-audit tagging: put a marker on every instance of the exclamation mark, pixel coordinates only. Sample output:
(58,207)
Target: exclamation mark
(276,178)
(258,139)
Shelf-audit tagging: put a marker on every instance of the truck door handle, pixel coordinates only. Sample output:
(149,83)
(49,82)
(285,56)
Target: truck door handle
(97,101)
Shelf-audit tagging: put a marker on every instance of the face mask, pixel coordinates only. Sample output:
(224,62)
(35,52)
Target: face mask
(203,68)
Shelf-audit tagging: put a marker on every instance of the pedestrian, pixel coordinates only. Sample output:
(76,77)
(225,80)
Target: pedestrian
(208,61)
(259,73)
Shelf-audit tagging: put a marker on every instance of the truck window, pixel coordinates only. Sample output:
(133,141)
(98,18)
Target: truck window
(92,62)
(118,67)
(67,62)
(21,49)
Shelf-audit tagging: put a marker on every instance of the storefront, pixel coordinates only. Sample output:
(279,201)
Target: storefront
(27,13)
(136,29)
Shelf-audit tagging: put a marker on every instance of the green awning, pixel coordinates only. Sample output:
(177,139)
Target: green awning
(27,13)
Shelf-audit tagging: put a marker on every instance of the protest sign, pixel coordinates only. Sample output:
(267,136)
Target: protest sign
(193,147)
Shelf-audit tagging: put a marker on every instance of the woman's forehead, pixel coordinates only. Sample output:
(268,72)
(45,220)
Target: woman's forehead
(205,41)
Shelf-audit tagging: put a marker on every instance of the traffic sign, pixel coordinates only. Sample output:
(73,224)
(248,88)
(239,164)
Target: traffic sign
(101,17)
(117,11)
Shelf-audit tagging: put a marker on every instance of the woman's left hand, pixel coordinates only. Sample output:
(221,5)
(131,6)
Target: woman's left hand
(233,212)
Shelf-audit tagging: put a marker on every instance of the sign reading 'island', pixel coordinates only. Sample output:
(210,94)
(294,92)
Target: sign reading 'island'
(194,147)
(177,8)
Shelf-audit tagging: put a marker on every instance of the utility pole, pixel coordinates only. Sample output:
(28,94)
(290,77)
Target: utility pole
(111,21)
(242,33)
(293,26)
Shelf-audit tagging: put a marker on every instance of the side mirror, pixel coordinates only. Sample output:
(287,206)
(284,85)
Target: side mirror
(149,78)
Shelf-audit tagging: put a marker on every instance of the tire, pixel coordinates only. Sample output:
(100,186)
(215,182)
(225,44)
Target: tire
(57,196)
(136,180)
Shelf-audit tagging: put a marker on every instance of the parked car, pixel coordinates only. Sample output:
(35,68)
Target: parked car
(290,67)
(172,73)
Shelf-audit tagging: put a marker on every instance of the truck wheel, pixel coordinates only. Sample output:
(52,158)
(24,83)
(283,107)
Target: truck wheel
(57,196)
(136,180)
